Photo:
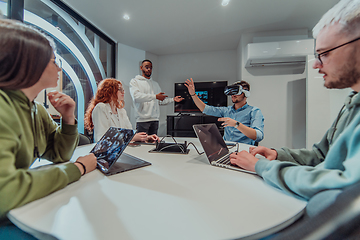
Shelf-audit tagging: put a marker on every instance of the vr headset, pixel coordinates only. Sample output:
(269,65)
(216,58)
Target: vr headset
(236,89)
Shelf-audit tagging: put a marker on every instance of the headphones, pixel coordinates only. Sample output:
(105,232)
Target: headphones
(236,89)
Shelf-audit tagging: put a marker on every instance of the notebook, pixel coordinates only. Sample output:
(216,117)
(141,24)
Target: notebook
(109,152)
(215,147)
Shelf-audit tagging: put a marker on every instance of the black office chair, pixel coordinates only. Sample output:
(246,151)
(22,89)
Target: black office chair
(83,139)
(341,220)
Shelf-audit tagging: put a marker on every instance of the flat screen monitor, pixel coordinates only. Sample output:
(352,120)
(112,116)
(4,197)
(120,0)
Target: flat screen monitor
(203,95)
(211,93)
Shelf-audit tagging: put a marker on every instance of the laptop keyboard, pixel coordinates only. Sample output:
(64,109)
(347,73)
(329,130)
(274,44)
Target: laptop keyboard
(224,160)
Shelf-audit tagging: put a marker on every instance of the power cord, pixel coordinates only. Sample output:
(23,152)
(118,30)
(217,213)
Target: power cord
(168,146)
(181,147)
(195,148)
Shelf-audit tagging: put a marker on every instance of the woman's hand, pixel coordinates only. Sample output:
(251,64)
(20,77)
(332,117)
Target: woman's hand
(140,137)
(153,138)
(64,104)
(89,162)
(178,99)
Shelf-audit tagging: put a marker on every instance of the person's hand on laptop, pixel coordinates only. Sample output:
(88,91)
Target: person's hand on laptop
(268,153)
(152,138)
(86,163)
(140,137)
(244,160)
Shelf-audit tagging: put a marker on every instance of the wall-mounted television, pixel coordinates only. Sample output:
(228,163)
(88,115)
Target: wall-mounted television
(211,93)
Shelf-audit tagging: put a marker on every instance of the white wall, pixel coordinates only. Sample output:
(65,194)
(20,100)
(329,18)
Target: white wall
(169,69)
(208,66)
(280,93)
(128,66)
(154,59)
(297,108)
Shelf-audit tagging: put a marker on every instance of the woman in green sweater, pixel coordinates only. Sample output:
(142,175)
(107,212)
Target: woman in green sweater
(27,132)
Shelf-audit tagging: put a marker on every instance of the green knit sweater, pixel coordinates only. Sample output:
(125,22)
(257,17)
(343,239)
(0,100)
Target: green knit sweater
(24,127)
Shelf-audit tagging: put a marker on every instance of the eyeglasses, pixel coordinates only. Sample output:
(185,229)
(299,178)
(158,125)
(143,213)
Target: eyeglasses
(323,54)
(57,62)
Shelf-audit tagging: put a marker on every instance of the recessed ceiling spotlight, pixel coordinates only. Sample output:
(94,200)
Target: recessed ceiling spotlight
(225,2)
(126,17)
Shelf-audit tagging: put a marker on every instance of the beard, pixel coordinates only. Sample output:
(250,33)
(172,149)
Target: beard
(348,76)
(237,100)
(146,74)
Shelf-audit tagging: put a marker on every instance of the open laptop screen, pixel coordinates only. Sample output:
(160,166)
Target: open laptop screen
(111,145)
(211,140)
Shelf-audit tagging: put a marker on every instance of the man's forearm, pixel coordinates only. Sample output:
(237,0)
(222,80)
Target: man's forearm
(200,104)
(247,131)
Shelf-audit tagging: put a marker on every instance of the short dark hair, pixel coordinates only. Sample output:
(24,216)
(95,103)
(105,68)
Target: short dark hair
(24,54)
(245,85)
(146,60)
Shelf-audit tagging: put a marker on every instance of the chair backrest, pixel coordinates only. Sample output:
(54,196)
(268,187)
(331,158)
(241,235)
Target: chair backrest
(340,220)
(83,139)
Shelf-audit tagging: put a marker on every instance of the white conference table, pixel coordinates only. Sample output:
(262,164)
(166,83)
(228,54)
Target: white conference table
(177,197)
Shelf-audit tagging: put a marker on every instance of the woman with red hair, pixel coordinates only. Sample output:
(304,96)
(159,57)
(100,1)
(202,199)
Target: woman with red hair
(106,110)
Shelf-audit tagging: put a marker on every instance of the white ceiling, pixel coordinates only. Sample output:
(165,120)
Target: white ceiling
(185,26)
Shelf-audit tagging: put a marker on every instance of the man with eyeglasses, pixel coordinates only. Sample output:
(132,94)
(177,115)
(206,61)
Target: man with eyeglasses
(332,164)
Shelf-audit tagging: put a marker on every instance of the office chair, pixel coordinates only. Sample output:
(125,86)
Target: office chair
(340,220)
(83,139)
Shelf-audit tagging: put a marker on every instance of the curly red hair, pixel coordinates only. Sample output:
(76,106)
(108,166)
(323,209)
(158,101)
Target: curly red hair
(106,93)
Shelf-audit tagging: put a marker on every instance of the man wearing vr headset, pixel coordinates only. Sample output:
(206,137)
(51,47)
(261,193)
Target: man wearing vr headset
(243,123)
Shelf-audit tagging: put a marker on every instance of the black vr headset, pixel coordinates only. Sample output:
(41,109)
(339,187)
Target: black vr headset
(236,89)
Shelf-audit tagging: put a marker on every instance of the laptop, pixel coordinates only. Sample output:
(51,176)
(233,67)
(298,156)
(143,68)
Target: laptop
(215,147)
(109,152)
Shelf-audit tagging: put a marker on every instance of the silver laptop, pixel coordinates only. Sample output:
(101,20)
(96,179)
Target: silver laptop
(215,147)
(109,152)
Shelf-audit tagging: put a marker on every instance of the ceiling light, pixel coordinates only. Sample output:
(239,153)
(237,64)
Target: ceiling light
(126,17)
(225,2)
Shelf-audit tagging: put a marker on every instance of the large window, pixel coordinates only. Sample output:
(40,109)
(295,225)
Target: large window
(3,8)
(87,55)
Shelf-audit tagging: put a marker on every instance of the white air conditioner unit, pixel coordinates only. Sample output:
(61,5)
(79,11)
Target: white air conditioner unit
(278,53)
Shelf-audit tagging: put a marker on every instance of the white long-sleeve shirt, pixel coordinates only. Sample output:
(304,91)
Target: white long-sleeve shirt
(103,118)
(143,92)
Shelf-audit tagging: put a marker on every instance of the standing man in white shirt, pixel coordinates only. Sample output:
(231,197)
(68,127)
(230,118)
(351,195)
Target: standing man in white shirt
(147,96)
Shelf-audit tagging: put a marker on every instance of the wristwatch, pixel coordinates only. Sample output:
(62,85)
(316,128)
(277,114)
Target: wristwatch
(237,124)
